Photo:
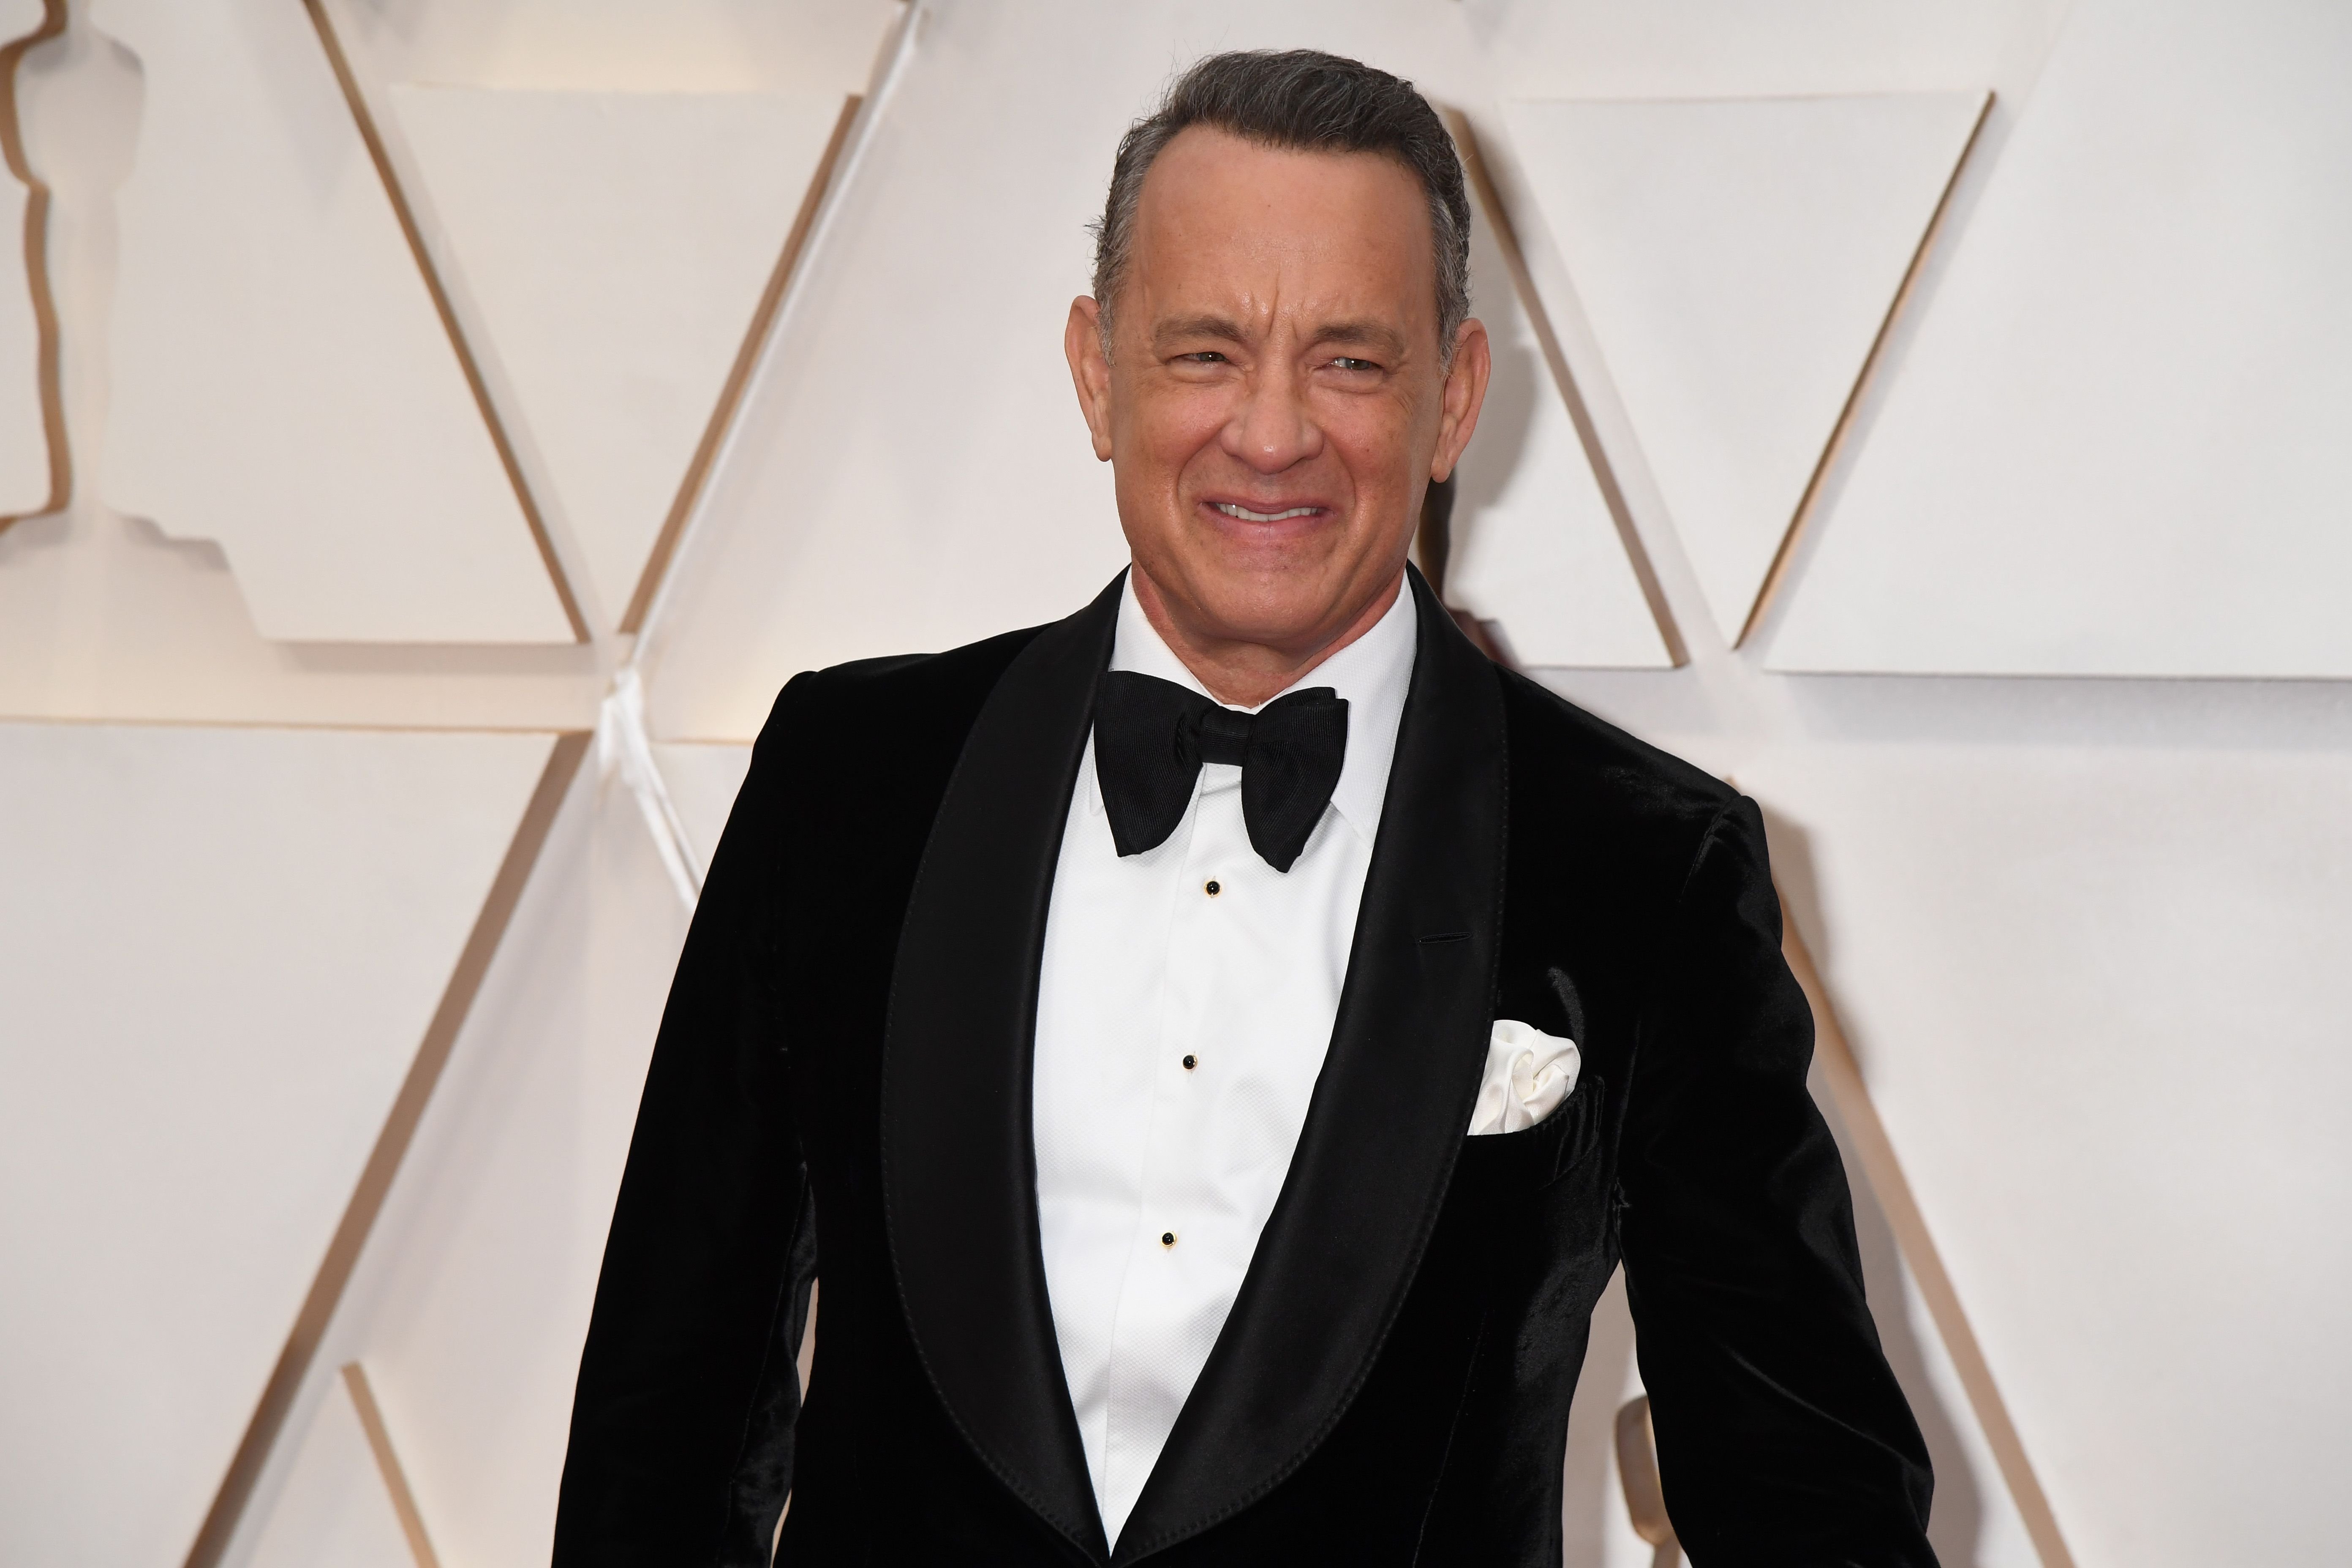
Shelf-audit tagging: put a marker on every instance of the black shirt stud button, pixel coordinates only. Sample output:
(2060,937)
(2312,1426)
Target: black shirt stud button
(1166,1238)
(1212,886)
(1191,1062)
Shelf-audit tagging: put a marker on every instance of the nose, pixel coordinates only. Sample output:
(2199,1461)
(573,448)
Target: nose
(1272,429)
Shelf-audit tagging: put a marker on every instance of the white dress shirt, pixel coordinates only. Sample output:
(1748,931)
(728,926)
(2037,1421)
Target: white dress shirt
(1185,1005)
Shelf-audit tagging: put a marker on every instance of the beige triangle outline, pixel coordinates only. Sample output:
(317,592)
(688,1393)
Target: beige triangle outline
(1612,494)
(399,1130)
(387,1464)
(739,375)
(355,99)
(1883,1171)
(1777,575)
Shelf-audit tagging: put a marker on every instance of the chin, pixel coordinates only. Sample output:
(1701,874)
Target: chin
(1285,608)
(1275,563)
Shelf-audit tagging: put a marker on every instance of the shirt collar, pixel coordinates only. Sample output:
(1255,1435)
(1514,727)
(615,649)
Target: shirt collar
(1373,674)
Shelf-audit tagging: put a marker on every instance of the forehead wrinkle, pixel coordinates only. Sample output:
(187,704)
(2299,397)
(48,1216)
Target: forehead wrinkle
(1199,324)
(1240,285)
(1299,245)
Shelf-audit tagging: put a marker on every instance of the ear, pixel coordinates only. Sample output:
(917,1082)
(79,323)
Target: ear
(1465,394)
(1090,369)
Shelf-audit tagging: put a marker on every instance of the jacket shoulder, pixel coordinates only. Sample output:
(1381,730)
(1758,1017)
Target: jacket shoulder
(877,703)
(873,735)
(1560,753)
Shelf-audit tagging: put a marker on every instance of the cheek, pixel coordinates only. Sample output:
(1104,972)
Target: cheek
(1375,441)
(1174,425)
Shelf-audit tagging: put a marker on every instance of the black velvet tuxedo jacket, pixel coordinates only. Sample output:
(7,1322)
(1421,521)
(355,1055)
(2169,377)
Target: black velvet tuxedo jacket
(842,1088)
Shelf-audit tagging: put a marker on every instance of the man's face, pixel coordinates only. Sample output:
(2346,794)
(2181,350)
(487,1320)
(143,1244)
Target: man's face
(1274,400)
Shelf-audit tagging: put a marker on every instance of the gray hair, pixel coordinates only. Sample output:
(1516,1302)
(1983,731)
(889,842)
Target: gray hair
(1305,101)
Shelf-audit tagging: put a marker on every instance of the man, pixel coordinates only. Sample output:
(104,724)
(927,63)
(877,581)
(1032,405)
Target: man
(1216,1049)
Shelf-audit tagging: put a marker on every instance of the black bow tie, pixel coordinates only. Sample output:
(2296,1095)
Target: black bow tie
(1152,735)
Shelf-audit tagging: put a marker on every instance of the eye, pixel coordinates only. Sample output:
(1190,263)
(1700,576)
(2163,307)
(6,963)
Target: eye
(1346,362)
(1205,356)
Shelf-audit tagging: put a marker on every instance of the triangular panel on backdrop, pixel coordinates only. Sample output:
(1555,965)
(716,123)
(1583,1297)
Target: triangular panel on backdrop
(617,245)
(335,1509)
(2117,443)
(289,906)
(1737,260)
(2005,929)
(1533,547)
(284,382)
(471,1336)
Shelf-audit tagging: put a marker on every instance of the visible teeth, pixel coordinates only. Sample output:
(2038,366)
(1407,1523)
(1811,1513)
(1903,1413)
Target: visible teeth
(1230,510)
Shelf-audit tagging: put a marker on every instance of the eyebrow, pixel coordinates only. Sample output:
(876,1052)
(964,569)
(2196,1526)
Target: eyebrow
(1369,334)
(1372,334)
(1222,329)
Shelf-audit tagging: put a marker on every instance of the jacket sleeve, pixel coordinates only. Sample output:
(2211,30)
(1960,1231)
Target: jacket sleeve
(1782,1436)
(682,1419)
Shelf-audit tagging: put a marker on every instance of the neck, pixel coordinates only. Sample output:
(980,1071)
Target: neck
(1246,674)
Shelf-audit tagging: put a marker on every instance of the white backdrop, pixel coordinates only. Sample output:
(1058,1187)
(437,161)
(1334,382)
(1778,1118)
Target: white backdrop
(1985,465)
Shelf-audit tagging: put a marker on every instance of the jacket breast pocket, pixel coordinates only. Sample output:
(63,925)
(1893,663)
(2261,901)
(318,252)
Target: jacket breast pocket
(1537,1156)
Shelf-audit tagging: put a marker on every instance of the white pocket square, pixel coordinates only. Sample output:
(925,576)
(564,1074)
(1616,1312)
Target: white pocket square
(1528,1073)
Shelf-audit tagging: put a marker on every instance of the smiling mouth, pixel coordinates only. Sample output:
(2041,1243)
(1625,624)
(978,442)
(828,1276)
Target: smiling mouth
(1230,510)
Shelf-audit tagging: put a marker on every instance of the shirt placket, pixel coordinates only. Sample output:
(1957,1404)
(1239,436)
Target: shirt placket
(1171,1210)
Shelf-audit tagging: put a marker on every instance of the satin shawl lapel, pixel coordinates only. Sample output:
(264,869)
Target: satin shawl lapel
(1386,1122)
(959,1172)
